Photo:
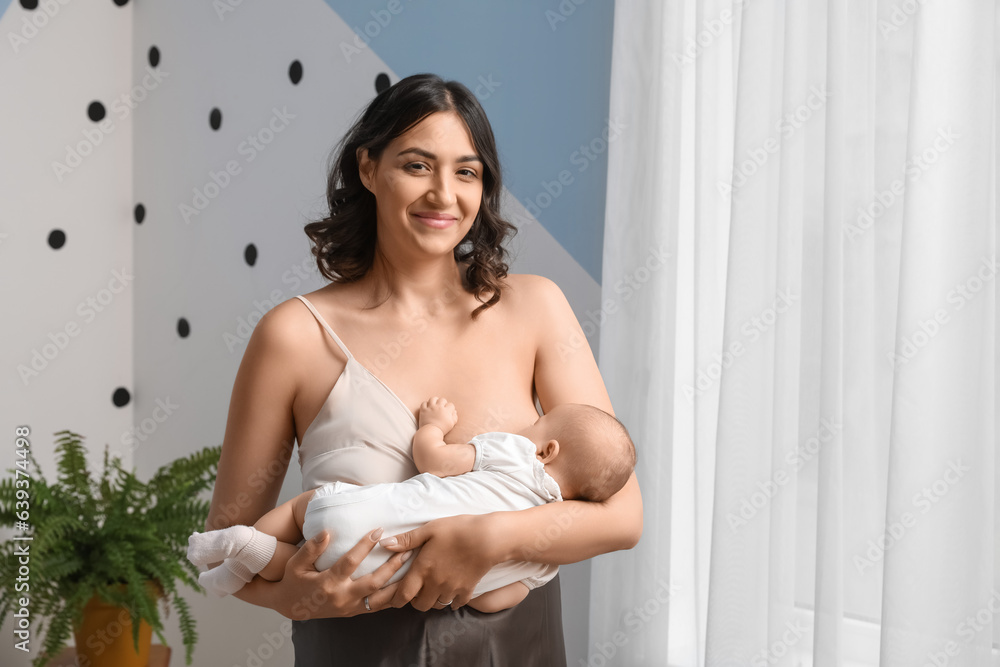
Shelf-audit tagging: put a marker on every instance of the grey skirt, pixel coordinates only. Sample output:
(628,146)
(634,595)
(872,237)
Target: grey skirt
(528,635)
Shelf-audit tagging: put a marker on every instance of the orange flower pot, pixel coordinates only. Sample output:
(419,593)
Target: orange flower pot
(104,637)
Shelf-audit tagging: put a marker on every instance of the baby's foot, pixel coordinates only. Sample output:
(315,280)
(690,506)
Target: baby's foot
(244,543)
(225,579)
(216,545)
(439,412)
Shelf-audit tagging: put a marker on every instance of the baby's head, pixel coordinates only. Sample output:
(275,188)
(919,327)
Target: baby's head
(586,450)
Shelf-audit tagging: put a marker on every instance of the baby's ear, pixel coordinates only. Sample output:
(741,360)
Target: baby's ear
(550,450)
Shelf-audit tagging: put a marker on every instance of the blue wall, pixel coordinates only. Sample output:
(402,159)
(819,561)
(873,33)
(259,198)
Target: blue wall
(552,63)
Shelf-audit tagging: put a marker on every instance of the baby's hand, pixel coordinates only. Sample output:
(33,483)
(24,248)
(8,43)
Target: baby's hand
(439,412)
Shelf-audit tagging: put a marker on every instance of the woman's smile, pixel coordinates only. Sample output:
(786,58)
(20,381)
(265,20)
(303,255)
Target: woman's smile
(435,220)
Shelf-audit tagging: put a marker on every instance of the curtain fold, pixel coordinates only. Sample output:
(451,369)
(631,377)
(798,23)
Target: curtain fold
(942,445)
(639,288)
(811,377)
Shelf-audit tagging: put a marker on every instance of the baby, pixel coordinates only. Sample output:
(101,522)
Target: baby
(573,452)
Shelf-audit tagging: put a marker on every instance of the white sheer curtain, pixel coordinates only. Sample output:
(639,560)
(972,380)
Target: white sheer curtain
(810,376)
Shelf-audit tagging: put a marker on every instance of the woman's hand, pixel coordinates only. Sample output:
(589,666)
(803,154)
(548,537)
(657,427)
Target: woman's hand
(304,593)
(455,553)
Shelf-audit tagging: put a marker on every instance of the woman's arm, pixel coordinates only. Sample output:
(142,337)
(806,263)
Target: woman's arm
(260,436)
(566,372)
(570,531)
(561,532)
(256,450)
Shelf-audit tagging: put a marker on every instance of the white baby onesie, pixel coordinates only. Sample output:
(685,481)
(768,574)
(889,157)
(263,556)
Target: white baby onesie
(505,476)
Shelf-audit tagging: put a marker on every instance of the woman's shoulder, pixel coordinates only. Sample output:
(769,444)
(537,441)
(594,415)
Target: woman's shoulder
(529,287)
(533,294)
(284,320)
(292,312)
(539,305)
(287,326)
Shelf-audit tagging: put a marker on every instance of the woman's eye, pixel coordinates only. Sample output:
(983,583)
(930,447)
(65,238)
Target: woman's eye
(415,166)
(467,172)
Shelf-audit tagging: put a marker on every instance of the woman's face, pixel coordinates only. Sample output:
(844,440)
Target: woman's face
(428,185)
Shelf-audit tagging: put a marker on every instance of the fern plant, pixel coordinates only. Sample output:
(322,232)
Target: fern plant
(107,537)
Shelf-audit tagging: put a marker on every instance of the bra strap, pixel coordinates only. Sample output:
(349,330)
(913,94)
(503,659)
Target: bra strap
(326,326)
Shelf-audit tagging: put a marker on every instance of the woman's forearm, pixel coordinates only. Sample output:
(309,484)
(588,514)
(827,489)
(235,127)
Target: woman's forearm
(569,531)
(256,593)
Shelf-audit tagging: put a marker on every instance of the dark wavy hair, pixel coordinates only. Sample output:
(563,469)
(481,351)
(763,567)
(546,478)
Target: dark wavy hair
(344,242)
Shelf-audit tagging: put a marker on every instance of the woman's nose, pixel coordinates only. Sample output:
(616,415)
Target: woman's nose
(441,192)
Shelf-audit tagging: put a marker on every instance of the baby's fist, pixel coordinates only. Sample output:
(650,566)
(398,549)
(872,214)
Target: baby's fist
(439,412)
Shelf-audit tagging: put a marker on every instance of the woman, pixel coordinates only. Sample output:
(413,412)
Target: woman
(420,305)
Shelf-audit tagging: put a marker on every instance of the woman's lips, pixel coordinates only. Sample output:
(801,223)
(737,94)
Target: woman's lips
(435,220)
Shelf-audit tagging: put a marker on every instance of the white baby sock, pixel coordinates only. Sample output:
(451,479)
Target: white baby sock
(244,551)
(226,579)
(244,543)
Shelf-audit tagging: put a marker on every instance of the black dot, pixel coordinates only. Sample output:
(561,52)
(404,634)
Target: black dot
(295,72)
(381,82)
(96,111)
(121,3)
(140,213)
(250,254)
(215,119)
(183,328)
(154,56)
(57,239)
(121,397)
(29,4)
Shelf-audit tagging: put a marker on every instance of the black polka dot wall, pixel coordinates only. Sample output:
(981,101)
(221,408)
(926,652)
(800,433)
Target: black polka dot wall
(183,327)
(95,111)
(121,3)
(295,72)
(215,119)
(250,254)
(381,82)
(139,213)
(57,239)
(154,56)
(121,397)
(29,4)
